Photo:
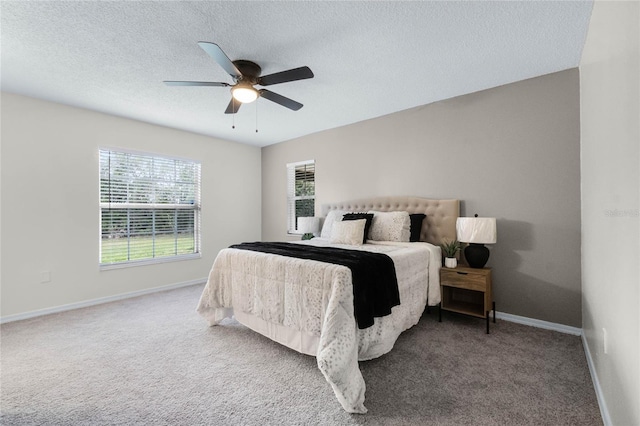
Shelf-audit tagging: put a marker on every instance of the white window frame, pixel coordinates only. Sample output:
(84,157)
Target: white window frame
(292,227)
(192,205)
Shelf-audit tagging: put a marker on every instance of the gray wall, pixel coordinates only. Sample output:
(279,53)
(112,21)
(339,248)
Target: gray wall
(610,148)
(511,152)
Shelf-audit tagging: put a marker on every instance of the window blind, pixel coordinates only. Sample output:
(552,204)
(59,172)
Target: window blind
(301,192)
(149,207)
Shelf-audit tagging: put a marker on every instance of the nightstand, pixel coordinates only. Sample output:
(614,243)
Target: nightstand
(467,291)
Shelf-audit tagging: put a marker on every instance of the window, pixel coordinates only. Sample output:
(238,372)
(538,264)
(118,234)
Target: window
(301,192)
(149,208)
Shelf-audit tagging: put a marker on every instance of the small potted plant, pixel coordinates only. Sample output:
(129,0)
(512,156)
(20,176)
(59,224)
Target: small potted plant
(450,250)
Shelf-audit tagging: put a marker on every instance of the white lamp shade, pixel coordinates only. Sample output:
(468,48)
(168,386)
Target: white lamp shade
(309,225)
(477,230)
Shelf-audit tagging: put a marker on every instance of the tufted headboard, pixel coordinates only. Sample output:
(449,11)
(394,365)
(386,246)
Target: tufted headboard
(439,225)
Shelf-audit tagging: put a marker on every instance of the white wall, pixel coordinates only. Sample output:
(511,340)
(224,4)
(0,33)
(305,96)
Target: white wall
(50,215)
(610,163)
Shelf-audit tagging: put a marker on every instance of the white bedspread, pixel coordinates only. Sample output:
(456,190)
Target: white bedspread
(308,306)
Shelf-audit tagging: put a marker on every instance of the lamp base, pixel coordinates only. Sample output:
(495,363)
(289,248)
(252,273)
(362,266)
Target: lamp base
(476,255)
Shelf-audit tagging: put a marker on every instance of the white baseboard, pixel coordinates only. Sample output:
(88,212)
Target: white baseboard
(604,411)
(540,324)
(99,301)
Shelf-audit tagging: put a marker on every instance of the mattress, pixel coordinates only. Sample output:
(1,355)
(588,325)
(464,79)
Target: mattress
(308,306)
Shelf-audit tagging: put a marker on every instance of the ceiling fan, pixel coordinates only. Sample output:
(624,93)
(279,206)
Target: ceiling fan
(245,75)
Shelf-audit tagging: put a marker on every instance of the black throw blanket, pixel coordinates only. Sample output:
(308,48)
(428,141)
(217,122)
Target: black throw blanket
(375,286)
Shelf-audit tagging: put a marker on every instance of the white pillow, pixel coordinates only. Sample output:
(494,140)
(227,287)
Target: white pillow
(390,226)
(332,216)
(348,232)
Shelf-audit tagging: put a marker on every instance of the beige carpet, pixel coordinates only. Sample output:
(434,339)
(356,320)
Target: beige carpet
(152,360)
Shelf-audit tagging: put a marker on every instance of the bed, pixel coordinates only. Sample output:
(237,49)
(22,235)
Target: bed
(308,305)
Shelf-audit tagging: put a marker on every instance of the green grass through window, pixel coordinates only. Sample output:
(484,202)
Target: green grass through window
(139,248)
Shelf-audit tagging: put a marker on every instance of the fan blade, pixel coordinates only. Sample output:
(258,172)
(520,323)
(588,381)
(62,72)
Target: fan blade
(221,58)
(285,76)
(196,83)
(233,106)
(279,99)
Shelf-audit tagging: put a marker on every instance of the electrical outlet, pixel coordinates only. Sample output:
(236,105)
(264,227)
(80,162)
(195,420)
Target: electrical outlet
(605,341)
(45,277)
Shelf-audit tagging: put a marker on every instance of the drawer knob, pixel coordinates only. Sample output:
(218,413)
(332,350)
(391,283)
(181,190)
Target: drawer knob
(462,273)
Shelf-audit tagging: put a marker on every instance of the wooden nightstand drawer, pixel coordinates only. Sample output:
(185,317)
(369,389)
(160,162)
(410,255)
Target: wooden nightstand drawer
(467,291)
(466,280)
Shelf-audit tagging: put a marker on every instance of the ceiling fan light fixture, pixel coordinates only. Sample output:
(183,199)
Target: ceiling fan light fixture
(244,93)
(245,74)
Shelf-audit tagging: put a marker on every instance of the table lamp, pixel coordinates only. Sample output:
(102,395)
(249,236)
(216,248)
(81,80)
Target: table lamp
(308,226)
(476,231)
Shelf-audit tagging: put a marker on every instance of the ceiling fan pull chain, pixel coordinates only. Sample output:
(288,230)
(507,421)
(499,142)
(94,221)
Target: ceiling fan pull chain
(233,116)
(256,117)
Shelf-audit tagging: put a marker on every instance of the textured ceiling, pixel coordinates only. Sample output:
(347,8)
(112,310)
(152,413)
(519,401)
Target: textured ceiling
(369,58)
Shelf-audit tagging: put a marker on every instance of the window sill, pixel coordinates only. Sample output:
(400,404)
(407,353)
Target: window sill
(146,262)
